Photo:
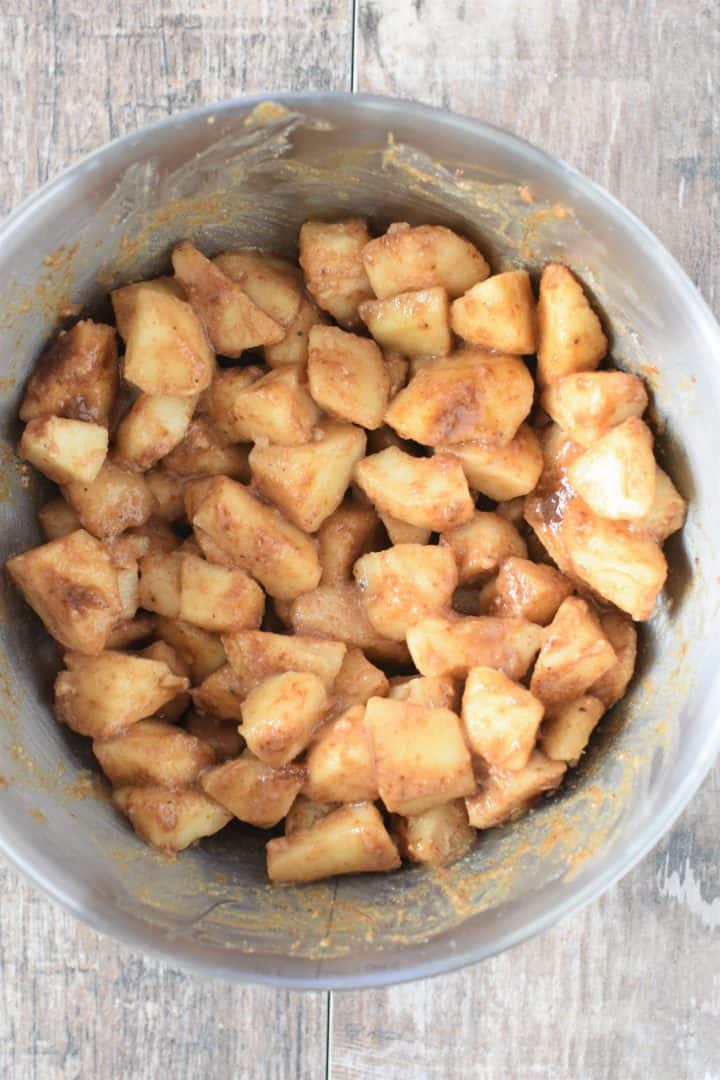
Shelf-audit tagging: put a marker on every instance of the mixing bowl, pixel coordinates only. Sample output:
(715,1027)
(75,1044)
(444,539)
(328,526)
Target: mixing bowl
(248,173)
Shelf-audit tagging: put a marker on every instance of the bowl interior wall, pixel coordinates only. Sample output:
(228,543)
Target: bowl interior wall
(228,184)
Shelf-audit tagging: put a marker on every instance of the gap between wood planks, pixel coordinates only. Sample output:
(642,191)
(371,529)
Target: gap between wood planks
(328,1035)
(353,53)
(329,993)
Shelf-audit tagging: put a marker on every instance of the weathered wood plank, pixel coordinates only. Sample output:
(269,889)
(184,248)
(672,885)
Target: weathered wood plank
(75,76)
(73,1004)
(629,987)
(622,91)
(71,77)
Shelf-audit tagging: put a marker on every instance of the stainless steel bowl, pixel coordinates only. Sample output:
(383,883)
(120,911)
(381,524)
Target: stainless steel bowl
(236,174)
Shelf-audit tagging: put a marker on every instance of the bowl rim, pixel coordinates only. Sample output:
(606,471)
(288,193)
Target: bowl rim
(135,932)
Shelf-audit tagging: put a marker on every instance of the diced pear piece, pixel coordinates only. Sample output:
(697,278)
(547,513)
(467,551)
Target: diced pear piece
(482,544)
(411,323)
(507,794)
(331,258)
(160,583)
(200,650)
(308,483)
(166,349)
(337,612)
(624,567)
(431,493)
(397,371)
(153,427)
(254,791)
(570,337)
(100,695)
(153,535)
(622,635)
(124,558)
(276,407)
(434,691)
(443,646)
(76,376)
(172,710)
(124,299)
(234,323)
(574,655)
(220,695)
(347,375)
(350,840)
(129,632)
(619,560)
(437,837)
(170,819)
(257,654)
(402,532)
(280,715)
(114,501)
(221,735)
(408,258)
(667,512)
(65,450)
(218,598)
(616,476)
(357,681)
(403,584)
(566,733)
(420,755)
(167,491)
(485,397)
(152,752)
(160,650)
(204,451)
(72,585)
(528,590)
(351,531)
(259,539)
(498,313)
(588,404)
(501,718)
(558,451)
(275,285)
(304,813)
(293,349)
(501,472)
(218,401)
(340,761)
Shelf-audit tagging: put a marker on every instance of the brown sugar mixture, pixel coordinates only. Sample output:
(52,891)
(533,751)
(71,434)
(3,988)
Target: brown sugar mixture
(356,544)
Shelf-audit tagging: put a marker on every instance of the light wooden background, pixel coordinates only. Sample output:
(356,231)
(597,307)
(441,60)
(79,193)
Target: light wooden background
(623,89)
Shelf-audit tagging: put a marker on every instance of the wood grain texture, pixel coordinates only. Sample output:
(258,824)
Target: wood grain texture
(75,75)
(629,987)
(624,91)
(74,1005)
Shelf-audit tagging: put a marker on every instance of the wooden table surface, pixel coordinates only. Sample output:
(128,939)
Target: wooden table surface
(622,89)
